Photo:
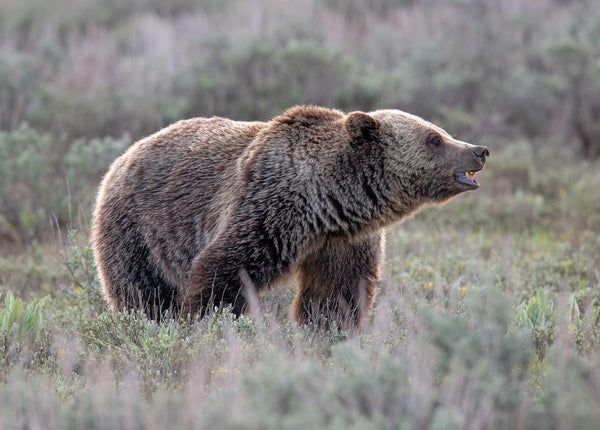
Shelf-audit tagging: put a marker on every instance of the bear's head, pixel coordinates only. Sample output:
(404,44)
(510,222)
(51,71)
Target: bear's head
(420,160)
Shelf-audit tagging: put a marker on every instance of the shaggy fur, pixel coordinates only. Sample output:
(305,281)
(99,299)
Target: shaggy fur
(207,211)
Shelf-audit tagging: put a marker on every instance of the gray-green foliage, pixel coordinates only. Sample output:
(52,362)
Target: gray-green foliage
(43,177)
(24,339)
(479,67)
(461,369)
(27,160)
(22,320)
(539,315)
(260,78)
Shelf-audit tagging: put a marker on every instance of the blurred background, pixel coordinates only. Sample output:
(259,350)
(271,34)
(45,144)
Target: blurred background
(80,80)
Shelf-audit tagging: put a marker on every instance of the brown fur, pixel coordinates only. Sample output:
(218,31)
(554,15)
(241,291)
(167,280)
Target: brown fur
(195,214)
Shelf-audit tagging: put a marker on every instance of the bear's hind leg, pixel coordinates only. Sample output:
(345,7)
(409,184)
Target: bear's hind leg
(339,282)
(131,280)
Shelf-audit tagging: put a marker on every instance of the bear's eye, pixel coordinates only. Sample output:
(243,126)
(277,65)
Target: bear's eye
(435,140)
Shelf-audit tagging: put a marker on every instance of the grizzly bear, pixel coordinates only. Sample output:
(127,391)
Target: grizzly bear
(209,211)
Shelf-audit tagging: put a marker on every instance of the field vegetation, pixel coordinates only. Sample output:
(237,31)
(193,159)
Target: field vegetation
(489,311)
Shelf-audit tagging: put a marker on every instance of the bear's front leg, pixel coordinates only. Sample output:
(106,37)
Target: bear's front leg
(226,272)
(214,281)
(339,281)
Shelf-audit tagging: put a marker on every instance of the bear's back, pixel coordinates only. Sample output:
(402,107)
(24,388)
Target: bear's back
(170,188)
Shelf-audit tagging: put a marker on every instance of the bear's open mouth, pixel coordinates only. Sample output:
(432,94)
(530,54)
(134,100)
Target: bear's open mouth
(467,178)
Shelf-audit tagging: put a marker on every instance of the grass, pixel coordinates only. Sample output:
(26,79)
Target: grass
(488,317)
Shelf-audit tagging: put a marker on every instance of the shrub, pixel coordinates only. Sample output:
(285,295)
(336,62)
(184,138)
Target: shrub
(45,177)
(538,314)
(29,180)
(260,79)
(23,336)
(23,320)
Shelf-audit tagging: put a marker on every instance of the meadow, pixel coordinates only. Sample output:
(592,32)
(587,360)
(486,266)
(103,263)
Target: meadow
(488,316)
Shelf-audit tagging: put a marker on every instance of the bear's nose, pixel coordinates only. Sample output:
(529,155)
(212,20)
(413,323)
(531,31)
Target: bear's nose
(481,152)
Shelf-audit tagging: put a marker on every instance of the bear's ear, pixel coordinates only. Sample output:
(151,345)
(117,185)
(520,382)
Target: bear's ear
(361,128)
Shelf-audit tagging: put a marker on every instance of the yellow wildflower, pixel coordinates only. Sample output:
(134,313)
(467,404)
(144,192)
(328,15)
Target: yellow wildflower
(222,369)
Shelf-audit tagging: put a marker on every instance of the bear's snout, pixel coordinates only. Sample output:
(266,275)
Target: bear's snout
(481,152)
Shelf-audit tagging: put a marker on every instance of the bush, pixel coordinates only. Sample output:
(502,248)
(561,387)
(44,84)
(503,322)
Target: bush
(24,339)
(24,321)
(260,79)
(539,315)
(29,180)
(45,177)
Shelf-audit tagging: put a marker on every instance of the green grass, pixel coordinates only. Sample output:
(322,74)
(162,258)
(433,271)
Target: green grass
(488,317)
